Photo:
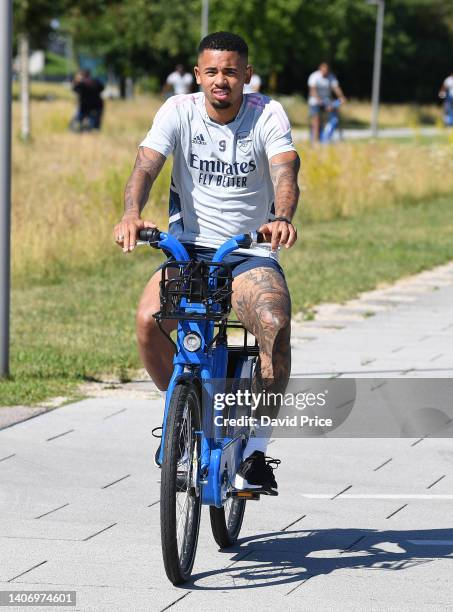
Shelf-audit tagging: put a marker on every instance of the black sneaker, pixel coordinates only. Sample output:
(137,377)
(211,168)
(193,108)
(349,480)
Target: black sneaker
(257,472)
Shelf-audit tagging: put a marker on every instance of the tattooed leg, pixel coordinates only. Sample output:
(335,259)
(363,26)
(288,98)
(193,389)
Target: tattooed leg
(262,303)
(156,350)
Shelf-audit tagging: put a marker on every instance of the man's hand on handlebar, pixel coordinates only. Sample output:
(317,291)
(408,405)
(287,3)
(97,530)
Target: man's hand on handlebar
(279,233)
(126,231)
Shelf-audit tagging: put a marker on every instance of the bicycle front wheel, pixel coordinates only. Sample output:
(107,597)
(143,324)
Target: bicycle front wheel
(226,522)
(180,501)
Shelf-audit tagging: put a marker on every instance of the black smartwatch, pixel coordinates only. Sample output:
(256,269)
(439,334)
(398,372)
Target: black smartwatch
(282,219)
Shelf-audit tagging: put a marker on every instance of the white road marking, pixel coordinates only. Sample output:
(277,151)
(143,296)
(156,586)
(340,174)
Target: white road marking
(376,496)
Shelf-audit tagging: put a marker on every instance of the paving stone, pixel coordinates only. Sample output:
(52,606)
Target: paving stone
(361,523)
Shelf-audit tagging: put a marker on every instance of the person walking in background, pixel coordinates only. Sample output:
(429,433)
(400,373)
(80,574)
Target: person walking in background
(90,102)
(446,93)
(321,84)
(254,86)
(179,81)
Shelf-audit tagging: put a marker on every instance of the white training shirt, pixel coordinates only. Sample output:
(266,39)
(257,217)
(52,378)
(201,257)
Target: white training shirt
(181,83)
(448,84)
(254,85)
(221,184)
(323,86)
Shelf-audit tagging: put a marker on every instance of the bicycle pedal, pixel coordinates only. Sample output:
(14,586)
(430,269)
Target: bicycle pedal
(241,487)
(252,493)
(249,494)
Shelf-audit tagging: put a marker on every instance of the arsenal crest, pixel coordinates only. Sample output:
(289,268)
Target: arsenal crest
(244,141)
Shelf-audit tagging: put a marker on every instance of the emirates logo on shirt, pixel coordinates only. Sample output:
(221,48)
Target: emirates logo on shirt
(199,140)
(216,172)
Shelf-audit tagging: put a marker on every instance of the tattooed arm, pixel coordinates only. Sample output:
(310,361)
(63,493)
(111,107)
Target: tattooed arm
(284,168)
(148,164)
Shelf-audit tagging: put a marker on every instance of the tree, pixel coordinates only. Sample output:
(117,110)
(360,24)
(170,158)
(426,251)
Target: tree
(137,37)
(287,39)
(271,29)
(32,24)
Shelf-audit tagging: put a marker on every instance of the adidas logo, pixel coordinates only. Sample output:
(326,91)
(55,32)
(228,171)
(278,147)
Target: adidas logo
(199,139)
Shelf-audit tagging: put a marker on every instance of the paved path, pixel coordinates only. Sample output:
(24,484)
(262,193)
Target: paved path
(301,135)
(404,329)
(360,524)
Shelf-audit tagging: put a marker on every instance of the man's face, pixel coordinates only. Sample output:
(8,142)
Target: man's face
(324,69)
(222,75)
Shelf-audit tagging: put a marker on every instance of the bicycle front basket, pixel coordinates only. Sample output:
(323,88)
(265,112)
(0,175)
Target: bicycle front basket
(195,290)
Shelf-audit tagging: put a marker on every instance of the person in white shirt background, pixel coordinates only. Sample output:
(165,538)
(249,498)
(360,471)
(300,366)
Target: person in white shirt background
(179,81)
(321,85)
(255,84)
(446,93)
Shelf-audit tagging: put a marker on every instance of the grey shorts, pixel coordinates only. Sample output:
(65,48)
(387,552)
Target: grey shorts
(238,263)
(316,109)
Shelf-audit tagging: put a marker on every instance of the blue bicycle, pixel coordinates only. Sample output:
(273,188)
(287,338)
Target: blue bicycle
(331,125)
(448,110)
(200,454)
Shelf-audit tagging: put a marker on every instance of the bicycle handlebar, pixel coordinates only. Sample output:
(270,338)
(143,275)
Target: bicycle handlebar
(153,235)
(149,235)
(161,240)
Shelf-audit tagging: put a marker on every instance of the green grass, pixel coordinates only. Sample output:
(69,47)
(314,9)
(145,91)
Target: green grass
(441,138)
(81,326)
(75,328)
(338,259)
(44,91)
(59,66)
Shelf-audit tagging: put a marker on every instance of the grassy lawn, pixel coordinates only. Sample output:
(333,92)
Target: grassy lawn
(81,325)
(335,260)
(357,114)
(370,212)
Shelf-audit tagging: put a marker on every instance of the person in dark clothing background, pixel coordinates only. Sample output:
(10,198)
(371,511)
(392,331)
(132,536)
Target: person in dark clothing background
(91,104)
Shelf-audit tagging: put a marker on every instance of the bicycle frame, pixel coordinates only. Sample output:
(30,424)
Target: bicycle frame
(328,130)
(220,456)
(448,111)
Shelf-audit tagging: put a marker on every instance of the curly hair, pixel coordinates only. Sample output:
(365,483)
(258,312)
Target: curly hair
(224,41)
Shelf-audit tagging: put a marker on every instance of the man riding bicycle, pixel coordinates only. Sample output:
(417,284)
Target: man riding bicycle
(234,171)
(446,94)
(321,84)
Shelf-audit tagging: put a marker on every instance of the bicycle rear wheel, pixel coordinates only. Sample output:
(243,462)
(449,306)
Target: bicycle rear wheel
(226,522)
(180,500)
